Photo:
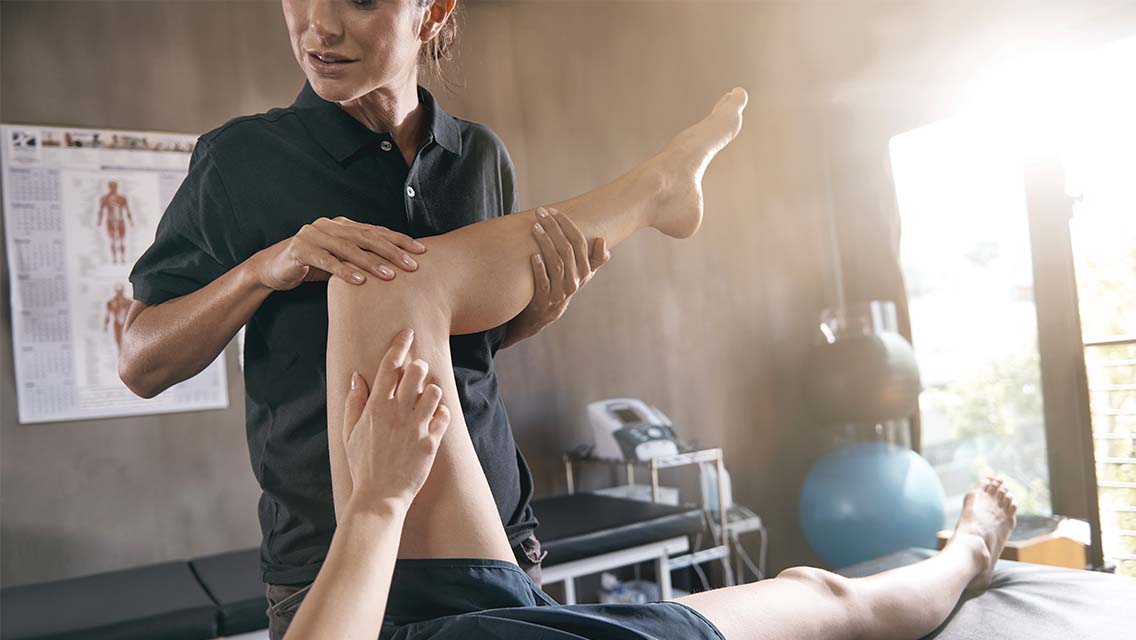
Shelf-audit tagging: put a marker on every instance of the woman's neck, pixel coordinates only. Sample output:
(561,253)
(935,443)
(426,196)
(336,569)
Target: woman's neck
(394,109)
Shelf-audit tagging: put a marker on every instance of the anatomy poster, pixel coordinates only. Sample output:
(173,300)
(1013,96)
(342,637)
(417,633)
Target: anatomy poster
(80,206)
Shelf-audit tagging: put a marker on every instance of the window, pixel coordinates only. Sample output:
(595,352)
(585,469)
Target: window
(965,256)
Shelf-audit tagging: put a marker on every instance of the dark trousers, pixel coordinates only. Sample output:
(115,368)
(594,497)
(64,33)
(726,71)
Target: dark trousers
(285,599)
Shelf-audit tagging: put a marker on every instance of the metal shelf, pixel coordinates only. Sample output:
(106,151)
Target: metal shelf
(667,462)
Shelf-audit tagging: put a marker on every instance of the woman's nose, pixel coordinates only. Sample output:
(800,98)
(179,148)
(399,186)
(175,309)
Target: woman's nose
(324,20)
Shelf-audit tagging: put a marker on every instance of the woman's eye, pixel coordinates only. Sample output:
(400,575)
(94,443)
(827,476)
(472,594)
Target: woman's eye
(363,3)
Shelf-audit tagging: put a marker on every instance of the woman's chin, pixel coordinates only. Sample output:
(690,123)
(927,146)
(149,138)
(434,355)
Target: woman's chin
(332,89)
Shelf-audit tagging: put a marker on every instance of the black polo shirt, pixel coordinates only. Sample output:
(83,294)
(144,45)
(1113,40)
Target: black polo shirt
(256,181)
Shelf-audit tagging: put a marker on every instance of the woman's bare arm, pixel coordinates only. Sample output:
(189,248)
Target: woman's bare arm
(154,352)
(154,355)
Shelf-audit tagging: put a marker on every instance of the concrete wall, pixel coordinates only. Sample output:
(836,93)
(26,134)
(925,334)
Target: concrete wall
(712,330)
(88,496)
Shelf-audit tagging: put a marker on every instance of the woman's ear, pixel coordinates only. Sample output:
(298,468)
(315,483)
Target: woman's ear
(436,15)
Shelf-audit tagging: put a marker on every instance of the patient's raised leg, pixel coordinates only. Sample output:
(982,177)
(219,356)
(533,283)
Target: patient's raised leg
(476,278)
(905,603)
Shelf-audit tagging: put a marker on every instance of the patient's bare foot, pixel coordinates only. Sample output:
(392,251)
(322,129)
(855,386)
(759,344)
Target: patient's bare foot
(985,524)
(681,164)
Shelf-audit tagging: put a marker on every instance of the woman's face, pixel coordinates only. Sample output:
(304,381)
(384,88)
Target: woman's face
(365,44)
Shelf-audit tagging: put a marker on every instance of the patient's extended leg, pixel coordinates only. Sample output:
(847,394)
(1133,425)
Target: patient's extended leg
(483,269)
(476,278)
(901,604)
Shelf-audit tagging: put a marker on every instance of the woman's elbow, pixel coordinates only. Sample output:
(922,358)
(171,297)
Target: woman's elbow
(133,374)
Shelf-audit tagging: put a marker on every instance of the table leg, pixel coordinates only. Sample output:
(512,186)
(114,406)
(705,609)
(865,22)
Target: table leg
(663,577)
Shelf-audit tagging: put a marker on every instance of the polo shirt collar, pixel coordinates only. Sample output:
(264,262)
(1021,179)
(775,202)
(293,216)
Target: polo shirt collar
(442,125)
(343,136)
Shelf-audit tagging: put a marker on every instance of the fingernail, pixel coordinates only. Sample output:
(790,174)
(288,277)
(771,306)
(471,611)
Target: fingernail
(386,271)
(539,260)
(419,246)
(408,261)
(356,276)
(554,211)
(354,380)
(538,229)
(542,213)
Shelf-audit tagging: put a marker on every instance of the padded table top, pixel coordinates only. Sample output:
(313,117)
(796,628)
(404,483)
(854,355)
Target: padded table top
(1031,601)
(233,581)
(582,525)
(157,601)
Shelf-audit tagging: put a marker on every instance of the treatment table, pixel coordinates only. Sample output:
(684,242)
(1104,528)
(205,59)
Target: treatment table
(1031,602)
(222,595)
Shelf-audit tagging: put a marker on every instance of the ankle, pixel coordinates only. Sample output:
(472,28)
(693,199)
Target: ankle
(654,181)
(973,544)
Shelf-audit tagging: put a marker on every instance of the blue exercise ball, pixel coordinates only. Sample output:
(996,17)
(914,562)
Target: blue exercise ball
(868,500)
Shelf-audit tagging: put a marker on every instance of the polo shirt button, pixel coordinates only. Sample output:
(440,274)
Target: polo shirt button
(385,145)
(410,191)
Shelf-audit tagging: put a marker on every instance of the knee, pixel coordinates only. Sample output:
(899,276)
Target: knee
(409,300)
(344,294)
(820,580)
(841,592)
(392,294)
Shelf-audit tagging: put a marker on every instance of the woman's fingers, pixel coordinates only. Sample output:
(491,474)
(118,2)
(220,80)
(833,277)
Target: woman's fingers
(390,252)
(390,368)
(566,252)
(310,246)
(353,406)
(382,242)
(600,254)
(348,250)
(439,422)
(391,245)
(365,244)
(577,242)
(411,385)
(554,264)
(399,239)
(427,405)
(540,278)
(343,243)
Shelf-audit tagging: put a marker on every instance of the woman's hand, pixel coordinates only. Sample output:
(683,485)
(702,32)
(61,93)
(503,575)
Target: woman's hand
(342,248)
(562,267)
(391,432)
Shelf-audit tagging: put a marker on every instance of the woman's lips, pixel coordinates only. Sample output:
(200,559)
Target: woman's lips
(330,68)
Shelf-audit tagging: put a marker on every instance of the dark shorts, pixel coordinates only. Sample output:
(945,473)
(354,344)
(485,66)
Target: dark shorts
(284,600)
(478,599)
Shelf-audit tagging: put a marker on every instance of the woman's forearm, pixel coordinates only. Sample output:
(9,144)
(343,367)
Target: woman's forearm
(166,343)
(349,596)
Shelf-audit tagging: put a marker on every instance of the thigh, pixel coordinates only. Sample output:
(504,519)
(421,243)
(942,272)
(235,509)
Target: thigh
(454,515)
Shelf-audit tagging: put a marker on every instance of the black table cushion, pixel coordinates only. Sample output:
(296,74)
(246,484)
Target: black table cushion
(232,580)
(583,525)
(1031,601)
(157,601)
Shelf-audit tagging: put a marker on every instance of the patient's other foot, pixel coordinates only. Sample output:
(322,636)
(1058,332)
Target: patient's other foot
(681,165)
(985,524)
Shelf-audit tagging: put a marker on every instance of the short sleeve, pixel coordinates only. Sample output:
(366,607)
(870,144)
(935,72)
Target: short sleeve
(509,196)
(198,238)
